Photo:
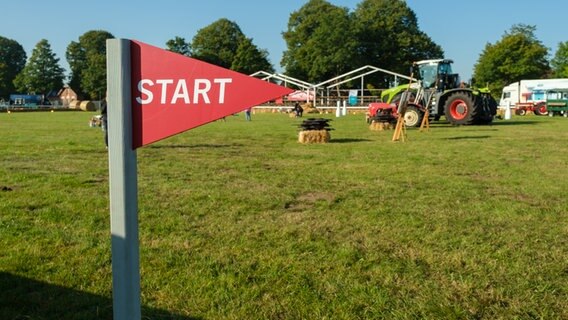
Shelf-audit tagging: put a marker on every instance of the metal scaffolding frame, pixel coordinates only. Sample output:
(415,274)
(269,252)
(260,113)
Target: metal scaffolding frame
(309,87)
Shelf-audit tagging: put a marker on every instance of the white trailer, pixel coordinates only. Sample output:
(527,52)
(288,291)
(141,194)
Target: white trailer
(530,95)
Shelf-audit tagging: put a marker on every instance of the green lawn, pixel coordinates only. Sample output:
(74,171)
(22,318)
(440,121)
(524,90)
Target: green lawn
(240,221)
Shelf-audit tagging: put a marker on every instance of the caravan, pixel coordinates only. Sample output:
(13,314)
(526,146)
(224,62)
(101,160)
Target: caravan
(530,95)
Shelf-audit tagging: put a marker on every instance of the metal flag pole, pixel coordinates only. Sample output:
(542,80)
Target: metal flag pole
(123,184)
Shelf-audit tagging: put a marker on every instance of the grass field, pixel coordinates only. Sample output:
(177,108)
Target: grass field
(239,221)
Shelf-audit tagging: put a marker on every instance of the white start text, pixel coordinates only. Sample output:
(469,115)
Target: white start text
(172,91)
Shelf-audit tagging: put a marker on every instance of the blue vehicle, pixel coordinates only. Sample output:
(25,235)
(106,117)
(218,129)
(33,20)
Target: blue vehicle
(26,100)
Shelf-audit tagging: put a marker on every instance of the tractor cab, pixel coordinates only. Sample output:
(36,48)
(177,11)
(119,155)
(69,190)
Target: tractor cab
(437,73)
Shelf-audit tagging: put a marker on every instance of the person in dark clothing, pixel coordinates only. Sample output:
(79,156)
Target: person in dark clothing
(298,110)
(104,124)
(247,114)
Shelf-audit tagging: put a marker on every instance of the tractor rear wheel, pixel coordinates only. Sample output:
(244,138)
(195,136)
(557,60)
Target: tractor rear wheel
(460,108)
(413,116)
(540,109)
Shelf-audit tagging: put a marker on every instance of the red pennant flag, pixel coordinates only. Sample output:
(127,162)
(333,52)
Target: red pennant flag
(172,93)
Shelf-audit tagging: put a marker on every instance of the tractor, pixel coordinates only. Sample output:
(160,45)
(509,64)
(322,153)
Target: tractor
(438,92)
(557,102)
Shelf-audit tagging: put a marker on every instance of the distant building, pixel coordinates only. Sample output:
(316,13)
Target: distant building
(66,95)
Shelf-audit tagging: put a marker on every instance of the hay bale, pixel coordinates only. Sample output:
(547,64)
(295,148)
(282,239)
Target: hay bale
(311,109)
(380,126)
(74,104)
(87,106)
(314,136)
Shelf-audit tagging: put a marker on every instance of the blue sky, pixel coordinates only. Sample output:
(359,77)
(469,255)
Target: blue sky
(462,28)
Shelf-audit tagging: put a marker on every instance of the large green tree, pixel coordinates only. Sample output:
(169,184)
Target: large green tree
(12,61)
(87,60)
(320,42)
(179,45)
(42,73)
(249,59)
(518,55)
(560,61)
(223,43)
(217,43)
(389,37)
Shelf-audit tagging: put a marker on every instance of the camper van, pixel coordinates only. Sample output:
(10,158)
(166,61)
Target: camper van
(529,95)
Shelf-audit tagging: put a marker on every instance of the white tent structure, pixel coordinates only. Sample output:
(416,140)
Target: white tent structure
(323,88)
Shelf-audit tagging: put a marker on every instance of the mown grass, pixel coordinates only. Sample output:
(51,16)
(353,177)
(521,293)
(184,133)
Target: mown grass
(239,221)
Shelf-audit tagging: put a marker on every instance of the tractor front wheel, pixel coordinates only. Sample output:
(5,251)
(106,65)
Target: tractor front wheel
(460,108)
(413,116)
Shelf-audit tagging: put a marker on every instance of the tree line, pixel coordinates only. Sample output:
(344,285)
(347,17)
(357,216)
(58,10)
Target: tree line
(322,40)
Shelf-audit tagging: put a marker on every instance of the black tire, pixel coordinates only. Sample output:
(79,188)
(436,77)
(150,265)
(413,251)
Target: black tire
(460,108)
(486,108)
(413,116)
(520,112)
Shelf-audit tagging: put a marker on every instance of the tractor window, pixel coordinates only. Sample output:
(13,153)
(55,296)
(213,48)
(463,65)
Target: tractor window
(553,95)
(428,74)
(445,68)
(538,95)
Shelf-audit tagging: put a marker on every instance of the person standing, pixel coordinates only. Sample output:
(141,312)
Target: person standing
(247,114)
(298,110)
(104,124)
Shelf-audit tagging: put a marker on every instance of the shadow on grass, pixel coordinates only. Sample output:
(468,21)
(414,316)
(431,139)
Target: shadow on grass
(194,146)
(512,122)
(348,140)
(496,122)
(23,298)
(467,138)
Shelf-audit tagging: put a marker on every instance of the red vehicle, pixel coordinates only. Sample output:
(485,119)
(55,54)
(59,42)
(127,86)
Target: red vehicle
(382,112)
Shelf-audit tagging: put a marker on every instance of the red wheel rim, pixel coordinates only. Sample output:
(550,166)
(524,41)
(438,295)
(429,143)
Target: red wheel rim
(458,109)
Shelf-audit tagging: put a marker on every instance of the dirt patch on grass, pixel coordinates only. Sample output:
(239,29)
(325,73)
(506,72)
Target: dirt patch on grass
(309,200)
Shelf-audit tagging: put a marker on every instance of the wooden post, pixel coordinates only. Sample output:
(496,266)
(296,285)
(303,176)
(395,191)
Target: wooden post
(425,124)
(399,130)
